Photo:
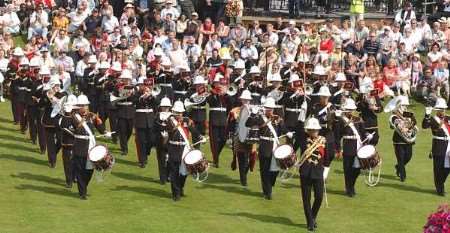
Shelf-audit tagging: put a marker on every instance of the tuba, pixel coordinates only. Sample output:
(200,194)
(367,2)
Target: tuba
(406,128)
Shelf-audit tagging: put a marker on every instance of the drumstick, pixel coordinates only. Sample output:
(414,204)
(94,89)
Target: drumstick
(201,141)
(367,138)
(325,193)
(284,135)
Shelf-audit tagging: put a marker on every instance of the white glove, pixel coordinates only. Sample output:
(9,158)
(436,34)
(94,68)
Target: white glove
(369,136)
(338,113)
(326,170)
(164,134)
(254,110)
(108,134)
(203,140)
(428,110)
(290,134)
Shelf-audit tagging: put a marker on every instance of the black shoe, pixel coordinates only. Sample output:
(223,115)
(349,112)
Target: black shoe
(51,165)
(141,165)
(182,193)
(162,182)
(402,179)
(124,153)
(42,152)
(315,224)
(310,228)
(176,198)
(33,142)
(396,171)
(268,196)
(83,197)
(69,186)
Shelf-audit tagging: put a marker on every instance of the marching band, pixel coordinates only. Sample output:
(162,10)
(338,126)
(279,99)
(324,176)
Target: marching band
(267,116)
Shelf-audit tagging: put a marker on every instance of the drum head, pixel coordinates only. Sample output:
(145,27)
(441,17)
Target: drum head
(97,153)
(283,151)
(193,157)
(366,151)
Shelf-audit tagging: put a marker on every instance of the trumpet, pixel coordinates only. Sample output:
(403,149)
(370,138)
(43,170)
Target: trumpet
(318,142)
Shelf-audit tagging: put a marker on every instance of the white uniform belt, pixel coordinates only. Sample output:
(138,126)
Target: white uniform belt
(293,109)
(267,138)
(198,107)
(125,103)
(77,136)
(28,89)
(144,110)
(256,94)
(218,109)
(180,92)
(350,137)
(22,88)
(441,138)
(177,143)
(165,84)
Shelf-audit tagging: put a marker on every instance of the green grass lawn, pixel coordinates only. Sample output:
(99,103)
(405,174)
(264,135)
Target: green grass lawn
(130,199)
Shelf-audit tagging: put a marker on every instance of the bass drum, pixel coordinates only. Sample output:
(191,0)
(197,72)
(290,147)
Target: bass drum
(195,162)
(285,156)
(101,158)
(368,157)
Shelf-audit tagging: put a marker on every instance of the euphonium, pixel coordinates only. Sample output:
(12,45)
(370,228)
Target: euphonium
(406,128)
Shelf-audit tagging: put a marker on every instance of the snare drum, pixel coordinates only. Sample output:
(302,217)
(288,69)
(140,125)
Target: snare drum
(285,156)
(195,162)
(101,158)
(368,157)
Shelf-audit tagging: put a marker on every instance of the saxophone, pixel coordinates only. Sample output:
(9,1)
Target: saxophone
(318,142)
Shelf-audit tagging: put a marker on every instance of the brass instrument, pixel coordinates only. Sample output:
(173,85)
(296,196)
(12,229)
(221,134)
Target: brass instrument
(318,142)
(405,127)
(277,94)
(232,89)
(125,91)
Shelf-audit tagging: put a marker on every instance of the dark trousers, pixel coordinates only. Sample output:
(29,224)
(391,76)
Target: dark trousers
(268,178)
(125,127)
(67,163)
(53,144)
(33,118)
(177,180)
(82,175)
(218,139)
(161,155)
(244,165)
(299,139)
(144,143)
(21,113)
(350,173)
(200,126)
(113,123)
(294,8)
(306,183)
(440,174)
(403,152)
(376,136)
(93,105)
(16,117)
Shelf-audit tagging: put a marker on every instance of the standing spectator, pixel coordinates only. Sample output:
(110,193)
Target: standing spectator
(405,15)
(356,11)
(168,8)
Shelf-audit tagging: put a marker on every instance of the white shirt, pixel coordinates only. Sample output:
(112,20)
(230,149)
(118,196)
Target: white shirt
(79,70)
(249,53)
(172,10)
(76,20)
(43,22)
(65,78)
(108,24)
(4,64)
(62,43)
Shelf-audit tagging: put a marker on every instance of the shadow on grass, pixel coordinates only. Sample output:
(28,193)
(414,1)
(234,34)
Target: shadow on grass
(133,177)
(124,161)
(383,176)
(46,189)
(18,147)
(41,178)
(409,188)
(221,179)
(143,190)
(24,138)
(27,159)
(7,120)
(336,192)
(266,218)
(231,189)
